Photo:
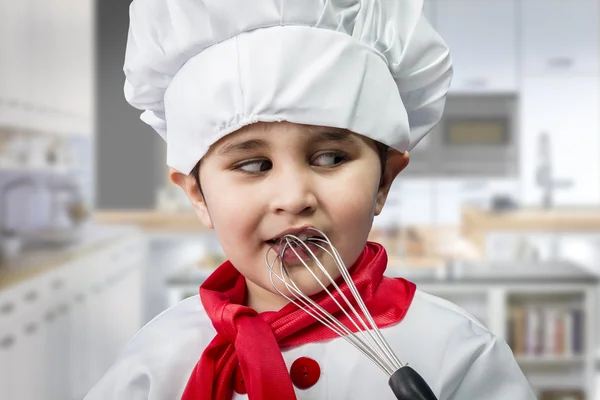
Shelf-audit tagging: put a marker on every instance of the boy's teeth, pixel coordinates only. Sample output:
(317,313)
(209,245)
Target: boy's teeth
(303,236)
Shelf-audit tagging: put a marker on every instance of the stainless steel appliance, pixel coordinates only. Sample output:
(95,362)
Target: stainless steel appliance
(475,138)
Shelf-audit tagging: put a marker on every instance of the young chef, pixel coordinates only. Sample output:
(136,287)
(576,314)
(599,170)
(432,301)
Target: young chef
(280,115)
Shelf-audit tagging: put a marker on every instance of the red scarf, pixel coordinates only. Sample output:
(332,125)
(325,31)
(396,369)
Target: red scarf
(255,340)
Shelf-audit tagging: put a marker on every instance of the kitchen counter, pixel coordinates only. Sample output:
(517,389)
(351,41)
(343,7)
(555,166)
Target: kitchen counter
(33,262)
(151,220)
(477,224)
(421,246)
(479,272)
(558,219)
(503,273)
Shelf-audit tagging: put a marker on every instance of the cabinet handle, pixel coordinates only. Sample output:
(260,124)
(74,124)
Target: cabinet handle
(7,308)
(31,328)
(63,309)
(560,62)
(476,82)
(50,315)
(476,185)
(31,296)
(57,284)
(7,342)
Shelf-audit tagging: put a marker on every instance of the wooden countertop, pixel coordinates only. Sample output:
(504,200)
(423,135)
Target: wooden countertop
(521,219)
(35,262)
(421,246)
(573,219)
(151,220)
(477,224)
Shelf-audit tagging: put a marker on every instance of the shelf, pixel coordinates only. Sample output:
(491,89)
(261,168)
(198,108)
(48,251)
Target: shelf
(37,170)
(549,360)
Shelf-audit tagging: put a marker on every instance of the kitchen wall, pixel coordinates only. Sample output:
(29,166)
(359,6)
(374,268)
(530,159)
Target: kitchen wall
(499,47)
(129,170)
(61,74)
(504,47)
(46,111)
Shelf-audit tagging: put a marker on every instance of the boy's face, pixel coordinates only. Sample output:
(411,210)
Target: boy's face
(271,177)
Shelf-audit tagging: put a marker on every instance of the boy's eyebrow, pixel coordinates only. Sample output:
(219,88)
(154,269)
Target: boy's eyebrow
(242,146)
(325,134)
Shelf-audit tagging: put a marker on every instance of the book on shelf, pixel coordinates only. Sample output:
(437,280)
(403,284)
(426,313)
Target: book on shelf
(550,331)
(556,394)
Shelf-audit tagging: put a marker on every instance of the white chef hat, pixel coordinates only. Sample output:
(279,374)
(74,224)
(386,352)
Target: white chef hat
(201,69)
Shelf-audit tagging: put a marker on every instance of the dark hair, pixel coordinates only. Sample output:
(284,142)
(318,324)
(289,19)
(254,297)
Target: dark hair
(382,150)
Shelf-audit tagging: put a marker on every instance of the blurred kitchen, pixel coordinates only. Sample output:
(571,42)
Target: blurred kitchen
(498,211)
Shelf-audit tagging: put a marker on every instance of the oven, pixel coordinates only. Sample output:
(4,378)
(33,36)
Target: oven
(476,137)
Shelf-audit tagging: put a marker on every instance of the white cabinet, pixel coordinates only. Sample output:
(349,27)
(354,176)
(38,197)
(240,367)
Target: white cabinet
(61,331)
(47,65)
(14,63)
(451,195)
(415,199)
(447,200)
(560,36)
(482,39)
(5,15)
(80,350)
(440,201)
(567,109)
(506,304)
(61,49)
(8,360)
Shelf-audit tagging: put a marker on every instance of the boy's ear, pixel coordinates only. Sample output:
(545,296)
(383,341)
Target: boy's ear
(192,191)
(395,163)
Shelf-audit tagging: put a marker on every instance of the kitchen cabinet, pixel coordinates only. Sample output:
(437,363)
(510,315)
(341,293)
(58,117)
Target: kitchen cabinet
(414,199)
(8,361)
(13,44)
(451,195)
(62,51)
(61,330)
(559,36)
(506,297)
(46,73)
(482,37)
(567,109)
(79,353)
(439,201)
(5,14)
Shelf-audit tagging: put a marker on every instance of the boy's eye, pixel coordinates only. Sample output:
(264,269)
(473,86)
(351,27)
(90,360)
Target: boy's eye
(255,166)
(329,159)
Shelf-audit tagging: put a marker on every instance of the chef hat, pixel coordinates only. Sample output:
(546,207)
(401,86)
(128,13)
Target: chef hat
(201,69)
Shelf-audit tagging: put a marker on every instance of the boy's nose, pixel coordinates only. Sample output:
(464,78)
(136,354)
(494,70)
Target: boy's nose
(293,193)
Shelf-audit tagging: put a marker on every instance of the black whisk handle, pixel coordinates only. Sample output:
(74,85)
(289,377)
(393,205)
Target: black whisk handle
(407,384)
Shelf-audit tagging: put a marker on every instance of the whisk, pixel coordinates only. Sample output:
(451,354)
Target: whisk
(405,382)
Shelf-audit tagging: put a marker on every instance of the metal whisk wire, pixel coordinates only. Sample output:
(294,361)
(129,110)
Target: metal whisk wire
(368,338)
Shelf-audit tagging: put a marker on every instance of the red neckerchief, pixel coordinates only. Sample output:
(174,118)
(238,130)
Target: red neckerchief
(254,341)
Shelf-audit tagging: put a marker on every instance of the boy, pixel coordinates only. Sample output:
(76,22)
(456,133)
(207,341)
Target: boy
(279,116)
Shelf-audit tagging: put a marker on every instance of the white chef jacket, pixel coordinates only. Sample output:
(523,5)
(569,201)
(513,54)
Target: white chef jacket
(457,356)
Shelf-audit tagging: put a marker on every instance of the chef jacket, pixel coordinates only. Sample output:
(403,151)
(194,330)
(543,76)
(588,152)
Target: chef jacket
(458,357)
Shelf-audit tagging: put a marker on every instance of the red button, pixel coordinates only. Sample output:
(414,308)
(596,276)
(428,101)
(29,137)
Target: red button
(238,382)
(305,372)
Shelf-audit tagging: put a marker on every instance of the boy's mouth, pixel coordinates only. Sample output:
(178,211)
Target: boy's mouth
(293,250)
(303,234)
